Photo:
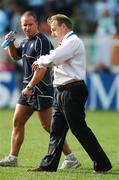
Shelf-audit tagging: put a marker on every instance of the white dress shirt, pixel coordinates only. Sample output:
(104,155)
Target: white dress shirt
(68,59)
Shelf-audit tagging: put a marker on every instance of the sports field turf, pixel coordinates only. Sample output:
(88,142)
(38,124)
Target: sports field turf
(105,124)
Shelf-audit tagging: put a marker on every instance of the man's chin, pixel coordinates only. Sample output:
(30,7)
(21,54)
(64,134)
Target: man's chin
(56,38)
(29,35)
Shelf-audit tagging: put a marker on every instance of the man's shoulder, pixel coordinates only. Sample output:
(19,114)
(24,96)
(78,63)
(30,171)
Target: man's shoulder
(41,36)
(24,41)
(44,40)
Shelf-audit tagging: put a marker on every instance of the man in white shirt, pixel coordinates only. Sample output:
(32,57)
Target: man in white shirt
(69,109)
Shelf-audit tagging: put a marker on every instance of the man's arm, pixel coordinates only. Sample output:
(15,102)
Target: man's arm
(57,56)
(38,76)
(12,50)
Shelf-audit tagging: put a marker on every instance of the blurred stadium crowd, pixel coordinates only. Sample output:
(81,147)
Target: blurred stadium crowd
(86,15)
(97,21)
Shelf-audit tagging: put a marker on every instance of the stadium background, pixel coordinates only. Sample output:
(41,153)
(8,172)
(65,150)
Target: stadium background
(95,21)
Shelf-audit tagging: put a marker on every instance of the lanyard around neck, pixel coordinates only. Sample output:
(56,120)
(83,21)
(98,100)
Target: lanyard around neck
(70,35)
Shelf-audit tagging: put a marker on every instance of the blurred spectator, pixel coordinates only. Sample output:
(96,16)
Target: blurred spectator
(91,44)
(89,10)
(115,48)
(7,8)
(17,10)
(83,15)
(104,32)
(62,6)
(44,28)
(106,24)
(79,20)
(4,20)
(9,65)
(102,55)
(67,7)
(101,5)
(37,6)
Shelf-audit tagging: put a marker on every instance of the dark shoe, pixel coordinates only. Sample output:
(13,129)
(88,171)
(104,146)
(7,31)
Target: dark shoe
(101,171)
(100,168)
(39,169)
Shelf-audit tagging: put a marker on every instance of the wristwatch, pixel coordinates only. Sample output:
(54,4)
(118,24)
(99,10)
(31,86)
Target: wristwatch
(29,88)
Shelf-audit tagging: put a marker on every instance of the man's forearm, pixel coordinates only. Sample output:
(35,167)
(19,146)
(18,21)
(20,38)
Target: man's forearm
(37,77)
(13,52)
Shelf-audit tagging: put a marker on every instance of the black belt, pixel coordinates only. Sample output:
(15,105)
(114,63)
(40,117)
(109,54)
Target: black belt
(69,85)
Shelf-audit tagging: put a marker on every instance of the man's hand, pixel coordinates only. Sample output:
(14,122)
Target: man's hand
(27,91)
(41,63)
(35,66)
(11,35)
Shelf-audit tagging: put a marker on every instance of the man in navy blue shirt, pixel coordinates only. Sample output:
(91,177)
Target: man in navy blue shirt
(37,93)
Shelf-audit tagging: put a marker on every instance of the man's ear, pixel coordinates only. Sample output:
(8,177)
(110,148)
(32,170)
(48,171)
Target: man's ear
(63,25)
(38,24)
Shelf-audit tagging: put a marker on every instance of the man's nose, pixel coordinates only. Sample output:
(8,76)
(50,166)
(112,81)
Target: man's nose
(52,34)
(27,27)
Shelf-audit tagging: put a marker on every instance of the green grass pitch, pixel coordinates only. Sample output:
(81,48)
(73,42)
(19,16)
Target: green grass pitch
(105,125)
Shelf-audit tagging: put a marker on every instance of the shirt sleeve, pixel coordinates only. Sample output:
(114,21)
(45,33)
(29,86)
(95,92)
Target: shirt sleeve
(61,54)
(43,46)
(19,51)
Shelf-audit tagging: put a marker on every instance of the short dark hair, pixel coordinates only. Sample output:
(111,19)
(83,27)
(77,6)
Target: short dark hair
(60,18)
(30,13)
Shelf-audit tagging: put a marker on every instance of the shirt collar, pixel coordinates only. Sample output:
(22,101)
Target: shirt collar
(66,35)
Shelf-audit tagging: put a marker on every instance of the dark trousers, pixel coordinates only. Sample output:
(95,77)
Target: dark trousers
(69,112)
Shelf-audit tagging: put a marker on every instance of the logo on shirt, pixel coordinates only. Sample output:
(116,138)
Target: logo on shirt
(31,45)
(23,45)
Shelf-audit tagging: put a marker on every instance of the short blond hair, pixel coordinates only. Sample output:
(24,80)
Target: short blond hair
(60,18)
(29,13)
